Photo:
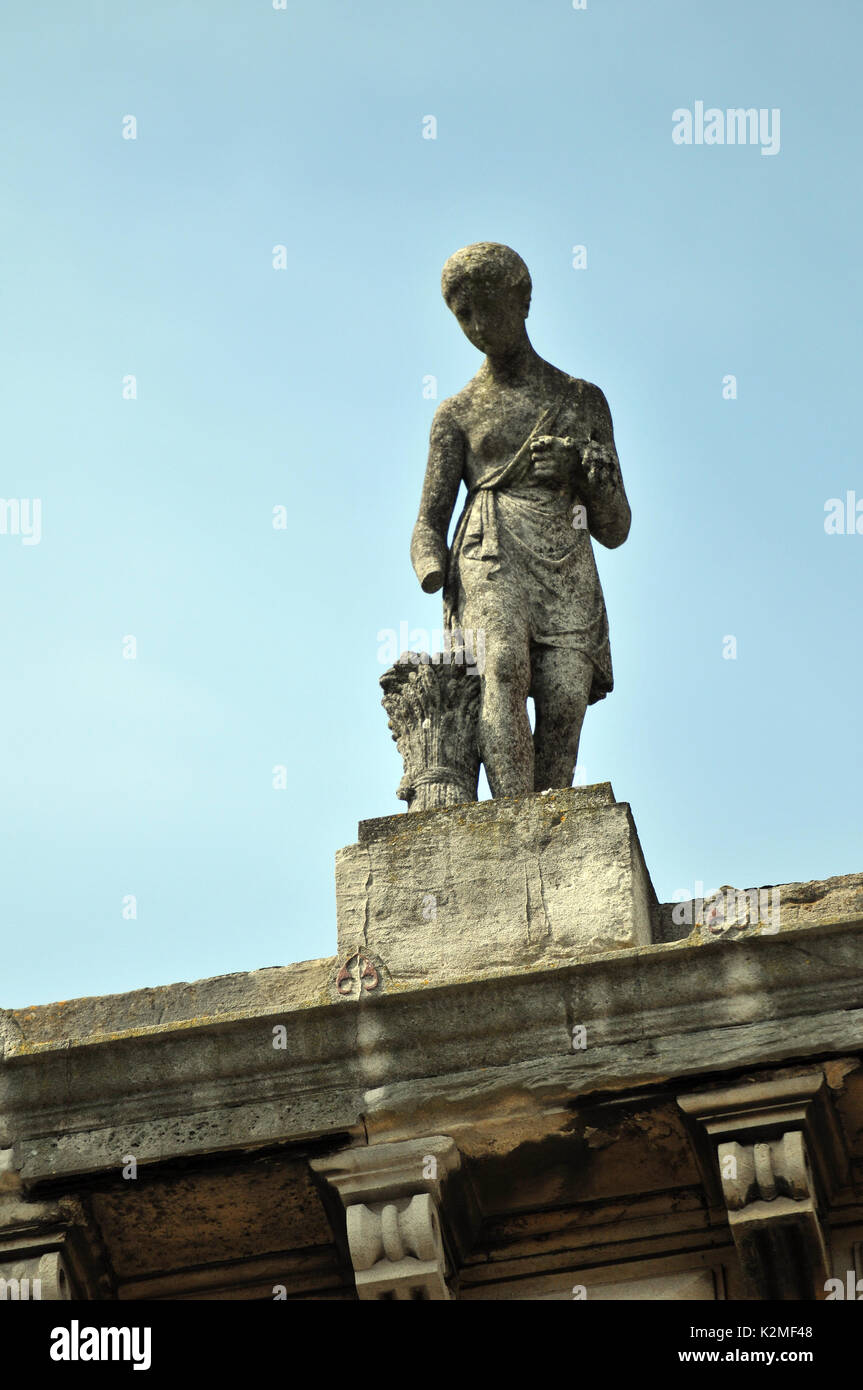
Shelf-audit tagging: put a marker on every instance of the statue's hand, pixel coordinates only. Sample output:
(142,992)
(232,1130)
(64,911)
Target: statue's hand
(553,458)
(431,576)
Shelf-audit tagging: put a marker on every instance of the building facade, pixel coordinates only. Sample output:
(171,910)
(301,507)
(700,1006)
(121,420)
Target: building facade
(519,1077)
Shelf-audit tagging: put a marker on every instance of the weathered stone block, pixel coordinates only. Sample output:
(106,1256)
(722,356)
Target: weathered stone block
(492,885)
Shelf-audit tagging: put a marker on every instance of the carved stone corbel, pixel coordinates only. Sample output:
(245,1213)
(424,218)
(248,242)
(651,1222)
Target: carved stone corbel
(47,1248)
(397,1249)
(41,1277)
(779,1153)
(408,1218)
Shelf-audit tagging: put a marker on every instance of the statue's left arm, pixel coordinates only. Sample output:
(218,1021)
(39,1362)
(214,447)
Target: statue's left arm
(608,514)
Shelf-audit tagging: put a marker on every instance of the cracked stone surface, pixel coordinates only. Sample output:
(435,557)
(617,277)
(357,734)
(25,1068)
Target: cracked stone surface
(459,892)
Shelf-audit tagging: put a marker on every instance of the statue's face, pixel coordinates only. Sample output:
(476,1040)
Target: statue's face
(490,318)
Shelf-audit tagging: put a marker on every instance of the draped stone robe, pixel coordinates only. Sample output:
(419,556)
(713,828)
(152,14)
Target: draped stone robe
(521,566)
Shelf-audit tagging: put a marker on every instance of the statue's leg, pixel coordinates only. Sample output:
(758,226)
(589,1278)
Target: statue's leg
(560,687)
(503,732)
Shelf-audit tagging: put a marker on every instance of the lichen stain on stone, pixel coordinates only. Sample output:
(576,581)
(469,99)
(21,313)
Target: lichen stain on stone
(144,1030)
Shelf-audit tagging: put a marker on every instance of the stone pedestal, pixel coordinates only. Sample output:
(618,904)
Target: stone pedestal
(516,882)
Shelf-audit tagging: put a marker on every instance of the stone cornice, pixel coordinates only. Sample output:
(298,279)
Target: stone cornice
(74,1105)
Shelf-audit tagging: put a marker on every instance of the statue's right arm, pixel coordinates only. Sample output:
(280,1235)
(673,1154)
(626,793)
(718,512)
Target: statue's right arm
(440,489)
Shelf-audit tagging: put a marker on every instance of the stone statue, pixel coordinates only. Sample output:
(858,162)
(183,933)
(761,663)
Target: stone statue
(535,449)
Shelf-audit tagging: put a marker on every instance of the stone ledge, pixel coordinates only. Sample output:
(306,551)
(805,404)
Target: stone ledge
(496,1052)
(165,1008)
(838,899)
(273,991)
(479,815)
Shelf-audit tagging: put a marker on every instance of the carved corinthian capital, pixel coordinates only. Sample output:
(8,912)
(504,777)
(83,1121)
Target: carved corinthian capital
(433,709)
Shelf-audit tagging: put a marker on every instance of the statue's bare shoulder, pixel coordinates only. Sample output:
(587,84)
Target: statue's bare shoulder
(456,412)
(576,389)
(585,403)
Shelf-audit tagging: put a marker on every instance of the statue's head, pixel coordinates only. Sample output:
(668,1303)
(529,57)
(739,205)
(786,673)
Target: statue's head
(487,286)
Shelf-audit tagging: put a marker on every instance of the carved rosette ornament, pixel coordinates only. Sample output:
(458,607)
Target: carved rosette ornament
(432,704)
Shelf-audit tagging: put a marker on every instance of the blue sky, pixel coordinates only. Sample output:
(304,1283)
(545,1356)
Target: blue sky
(257,387)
